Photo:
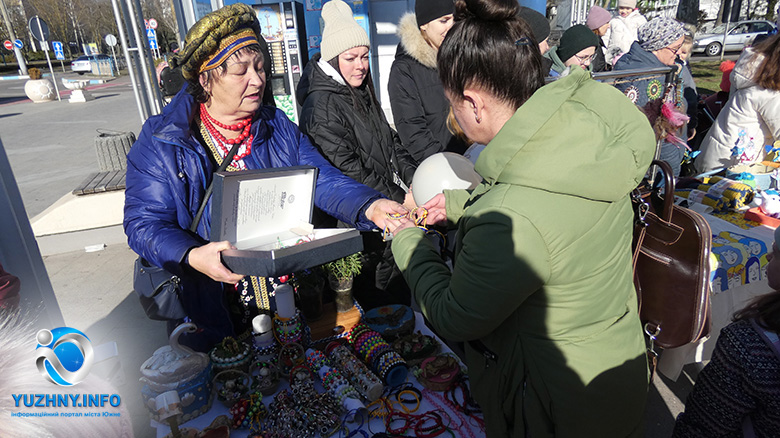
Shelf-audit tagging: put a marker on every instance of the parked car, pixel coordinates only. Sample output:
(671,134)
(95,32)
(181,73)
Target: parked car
(83,64)
(740,35)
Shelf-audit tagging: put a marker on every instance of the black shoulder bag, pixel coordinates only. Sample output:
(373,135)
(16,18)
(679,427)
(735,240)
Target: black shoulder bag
(158,290)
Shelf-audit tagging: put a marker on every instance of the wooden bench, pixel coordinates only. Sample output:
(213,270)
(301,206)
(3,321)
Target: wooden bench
(102,182)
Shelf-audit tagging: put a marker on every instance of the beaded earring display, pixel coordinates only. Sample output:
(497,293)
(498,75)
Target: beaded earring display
(334,381)
(265,377)
(375,351)
(439,373)
(361,378)
(230,354)
(231,385)
(416,347)
(290,355)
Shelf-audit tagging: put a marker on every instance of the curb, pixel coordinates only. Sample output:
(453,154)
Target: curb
(20,77)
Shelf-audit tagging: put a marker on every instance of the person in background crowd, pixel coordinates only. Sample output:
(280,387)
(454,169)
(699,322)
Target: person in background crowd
(749,124)
(173,161)
(577,47)
(416,96)
(623,29)
(659,42)
(540,27)
(690,93)
(598,22)
(686,51)
(711,106)
(738,393)
(541,289)
(341,115)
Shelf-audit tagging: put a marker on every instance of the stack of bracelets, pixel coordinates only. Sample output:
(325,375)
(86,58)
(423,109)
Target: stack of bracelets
(301,413)
(289,330)
(419,216)
(362,378)
(248,412)
(333,380)
(375,351)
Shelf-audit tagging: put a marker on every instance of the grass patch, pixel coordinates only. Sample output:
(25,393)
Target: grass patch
(707,76)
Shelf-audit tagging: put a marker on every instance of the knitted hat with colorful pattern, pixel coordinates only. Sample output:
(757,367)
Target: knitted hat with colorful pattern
(215,37)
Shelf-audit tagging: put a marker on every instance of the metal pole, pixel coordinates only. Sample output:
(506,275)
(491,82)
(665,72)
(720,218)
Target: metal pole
(147,65)
(130,69)
(48,60)
(12,37)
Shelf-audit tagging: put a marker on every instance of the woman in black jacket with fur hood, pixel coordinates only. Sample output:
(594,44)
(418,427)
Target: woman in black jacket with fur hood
(341,115)
(416,95)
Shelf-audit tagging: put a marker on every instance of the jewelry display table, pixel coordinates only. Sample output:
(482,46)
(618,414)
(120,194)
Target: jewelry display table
(436,403)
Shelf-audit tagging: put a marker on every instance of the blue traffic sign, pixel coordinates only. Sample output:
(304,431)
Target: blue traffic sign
(19,44)
(151,34)
(58,52)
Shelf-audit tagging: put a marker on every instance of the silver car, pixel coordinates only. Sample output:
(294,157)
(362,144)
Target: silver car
(741,34)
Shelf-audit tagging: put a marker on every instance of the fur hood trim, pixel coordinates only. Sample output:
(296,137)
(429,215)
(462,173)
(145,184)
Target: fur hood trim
(413,42)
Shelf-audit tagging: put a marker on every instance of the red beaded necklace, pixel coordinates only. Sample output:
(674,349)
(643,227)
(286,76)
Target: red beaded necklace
(243,138)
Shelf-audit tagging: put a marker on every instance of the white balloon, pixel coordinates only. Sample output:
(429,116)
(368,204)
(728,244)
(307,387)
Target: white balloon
(443,171)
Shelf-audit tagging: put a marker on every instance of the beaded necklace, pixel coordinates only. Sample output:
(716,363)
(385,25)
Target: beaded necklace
(215,139)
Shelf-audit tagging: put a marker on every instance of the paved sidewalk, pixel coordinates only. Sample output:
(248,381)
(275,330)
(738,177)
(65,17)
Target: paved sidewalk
(95,294)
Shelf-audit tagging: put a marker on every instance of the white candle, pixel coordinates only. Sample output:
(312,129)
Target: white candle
(262,324)
(285,301)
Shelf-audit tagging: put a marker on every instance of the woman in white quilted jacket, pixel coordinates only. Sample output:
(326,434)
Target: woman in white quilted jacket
(622,30)
(749,124)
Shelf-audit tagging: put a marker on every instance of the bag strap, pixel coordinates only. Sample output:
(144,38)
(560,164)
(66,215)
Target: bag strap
(225,163)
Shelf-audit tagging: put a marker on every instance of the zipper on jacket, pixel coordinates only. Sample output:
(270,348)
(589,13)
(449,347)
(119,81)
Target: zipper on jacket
(486,352)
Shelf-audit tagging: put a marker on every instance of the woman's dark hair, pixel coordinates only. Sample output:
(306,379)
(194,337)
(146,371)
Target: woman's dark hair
(197,90)
(768,73)
(367,82)
(765,309)
(492,48)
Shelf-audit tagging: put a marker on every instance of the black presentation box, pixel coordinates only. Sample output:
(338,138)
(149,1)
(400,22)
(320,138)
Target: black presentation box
(266,215)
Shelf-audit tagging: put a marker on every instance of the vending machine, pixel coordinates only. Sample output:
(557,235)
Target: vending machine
(281,24)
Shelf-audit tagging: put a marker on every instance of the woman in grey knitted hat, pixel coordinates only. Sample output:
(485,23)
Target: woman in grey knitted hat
(659,43)
(341,115)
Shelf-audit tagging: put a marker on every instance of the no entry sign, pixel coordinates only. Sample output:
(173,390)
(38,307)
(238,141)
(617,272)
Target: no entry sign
(8,44)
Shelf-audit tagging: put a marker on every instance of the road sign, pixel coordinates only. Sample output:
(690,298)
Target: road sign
(152,36)
(8,44)
(19,44)
(111,40)
(153,23)
(39,28)
(58,52)
(146,24)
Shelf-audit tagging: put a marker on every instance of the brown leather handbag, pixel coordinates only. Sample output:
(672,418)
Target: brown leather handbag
(672,246)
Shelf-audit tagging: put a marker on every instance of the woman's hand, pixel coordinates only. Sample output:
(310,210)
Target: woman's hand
(378,210)
(437,211)
(206,259)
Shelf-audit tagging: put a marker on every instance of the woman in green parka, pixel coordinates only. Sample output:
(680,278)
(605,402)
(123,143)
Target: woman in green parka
(541,290)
